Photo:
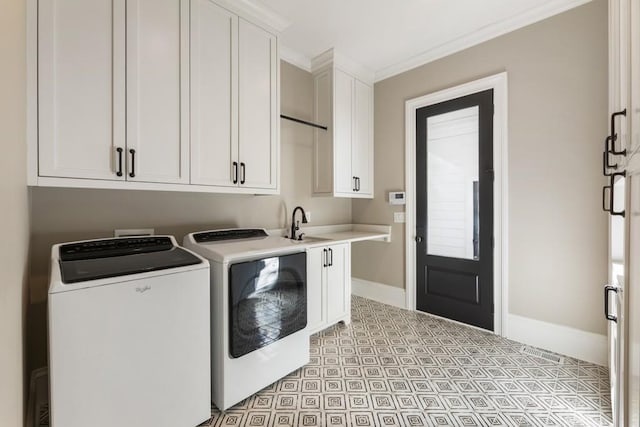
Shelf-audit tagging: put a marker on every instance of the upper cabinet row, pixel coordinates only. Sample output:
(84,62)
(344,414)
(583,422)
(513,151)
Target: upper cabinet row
(343,155)
(154,94)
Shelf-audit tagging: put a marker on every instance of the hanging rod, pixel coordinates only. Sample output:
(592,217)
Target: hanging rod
(304,122)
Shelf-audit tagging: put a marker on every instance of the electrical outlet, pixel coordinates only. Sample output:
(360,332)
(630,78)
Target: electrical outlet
(308,215)
(398,217)
(134,232)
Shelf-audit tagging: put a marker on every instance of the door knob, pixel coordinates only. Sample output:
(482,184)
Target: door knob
(418,239)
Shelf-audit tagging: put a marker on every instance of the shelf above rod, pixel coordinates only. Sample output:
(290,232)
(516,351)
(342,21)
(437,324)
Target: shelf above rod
(304,122)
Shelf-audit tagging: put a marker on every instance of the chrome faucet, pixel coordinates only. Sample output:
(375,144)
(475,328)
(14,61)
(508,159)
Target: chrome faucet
(295,226)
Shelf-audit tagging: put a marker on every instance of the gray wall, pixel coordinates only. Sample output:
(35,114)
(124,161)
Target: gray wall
(557,71)
(62,214)
(15,212)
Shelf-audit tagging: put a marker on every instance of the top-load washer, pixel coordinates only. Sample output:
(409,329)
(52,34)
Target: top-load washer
(128,334)
(258,309)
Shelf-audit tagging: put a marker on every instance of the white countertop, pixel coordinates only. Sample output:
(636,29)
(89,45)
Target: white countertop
(276,243)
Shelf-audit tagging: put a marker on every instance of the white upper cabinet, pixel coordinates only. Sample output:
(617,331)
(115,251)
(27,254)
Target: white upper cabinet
(153,94)
(234,94)
(157,90)
(258,106)
(214,83)
(362,143)
(81,83)
(343,155)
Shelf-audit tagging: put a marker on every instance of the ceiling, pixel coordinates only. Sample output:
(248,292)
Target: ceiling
(392,36)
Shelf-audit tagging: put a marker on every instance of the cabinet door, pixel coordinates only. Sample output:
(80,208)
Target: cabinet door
(315,292)
(362,147)
(338,282)
(214,85)
(343,132)
(81,87)
(322,140)
(157,90)
(258,106)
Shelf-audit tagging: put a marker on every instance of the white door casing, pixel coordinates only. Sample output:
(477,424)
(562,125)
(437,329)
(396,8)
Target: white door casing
(498,83)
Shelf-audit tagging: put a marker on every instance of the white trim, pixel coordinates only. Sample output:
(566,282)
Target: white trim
(559,339)
(331,57)
(481,35)
(378,292)
(256,12)
(498,83)
(295,58)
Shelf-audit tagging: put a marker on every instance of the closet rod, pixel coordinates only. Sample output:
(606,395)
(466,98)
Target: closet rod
(304,122)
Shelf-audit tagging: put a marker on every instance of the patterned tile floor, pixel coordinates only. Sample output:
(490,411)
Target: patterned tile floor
(393,367)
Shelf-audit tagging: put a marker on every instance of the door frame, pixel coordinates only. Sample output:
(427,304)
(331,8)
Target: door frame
(497,82)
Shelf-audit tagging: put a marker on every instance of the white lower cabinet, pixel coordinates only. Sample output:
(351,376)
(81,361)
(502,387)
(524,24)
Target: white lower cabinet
(328,286)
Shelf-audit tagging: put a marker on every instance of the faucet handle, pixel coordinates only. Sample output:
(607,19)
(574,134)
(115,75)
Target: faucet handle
(300,236)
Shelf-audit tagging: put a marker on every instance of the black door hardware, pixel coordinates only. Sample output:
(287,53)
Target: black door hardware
(326,258)
(357,183)
(605,158)
(235,172)
(418,239)
(330,257)
(132,174)
(614,135)
(244,173)
(608,316)
(119,150)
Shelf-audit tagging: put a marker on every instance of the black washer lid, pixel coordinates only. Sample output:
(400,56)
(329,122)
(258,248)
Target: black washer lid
(101,259)
(114,247)
(220,235)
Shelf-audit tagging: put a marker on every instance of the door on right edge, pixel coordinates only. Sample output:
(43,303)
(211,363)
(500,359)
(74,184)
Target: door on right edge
(454,209)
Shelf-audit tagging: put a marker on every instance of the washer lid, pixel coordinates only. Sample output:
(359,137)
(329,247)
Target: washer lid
(100,259)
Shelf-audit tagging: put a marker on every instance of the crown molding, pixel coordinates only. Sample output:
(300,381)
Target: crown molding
(295,58)
(479,36)
(332,57)
(256,12)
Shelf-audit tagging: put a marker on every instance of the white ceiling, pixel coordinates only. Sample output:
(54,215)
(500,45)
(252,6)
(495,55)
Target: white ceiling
(391,36)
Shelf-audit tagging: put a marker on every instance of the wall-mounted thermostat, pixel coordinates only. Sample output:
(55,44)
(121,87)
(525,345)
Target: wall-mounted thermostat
(397,198)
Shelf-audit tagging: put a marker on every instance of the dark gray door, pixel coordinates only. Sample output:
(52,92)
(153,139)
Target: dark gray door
(454,209)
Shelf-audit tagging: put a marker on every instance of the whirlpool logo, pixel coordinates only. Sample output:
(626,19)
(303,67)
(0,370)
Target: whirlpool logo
(143,289)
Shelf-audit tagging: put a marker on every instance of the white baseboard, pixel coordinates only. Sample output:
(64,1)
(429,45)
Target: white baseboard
(378,292)
(559,339)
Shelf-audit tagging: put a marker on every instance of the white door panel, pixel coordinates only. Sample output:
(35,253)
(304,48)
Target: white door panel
(343,132)
(81,87)
(157,54)
(338,277)
(257,98)
(362,150)
(214,113)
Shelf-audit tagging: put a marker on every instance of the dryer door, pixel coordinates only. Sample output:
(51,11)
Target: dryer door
(267,301)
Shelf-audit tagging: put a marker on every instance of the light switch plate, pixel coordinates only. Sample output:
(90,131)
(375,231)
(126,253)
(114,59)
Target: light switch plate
(398,217)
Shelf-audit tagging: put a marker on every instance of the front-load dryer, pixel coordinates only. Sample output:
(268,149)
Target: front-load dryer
(128,334)
(258,309)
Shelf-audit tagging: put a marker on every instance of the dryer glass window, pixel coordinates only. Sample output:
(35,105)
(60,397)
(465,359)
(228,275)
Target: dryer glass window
(267,301)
